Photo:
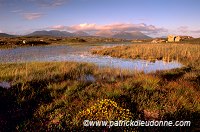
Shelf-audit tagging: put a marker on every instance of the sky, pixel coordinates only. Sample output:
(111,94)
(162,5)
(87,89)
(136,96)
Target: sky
(155,18)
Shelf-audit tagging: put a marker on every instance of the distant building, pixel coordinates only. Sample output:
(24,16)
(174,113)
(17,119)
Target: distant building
(172,38)
(177,39)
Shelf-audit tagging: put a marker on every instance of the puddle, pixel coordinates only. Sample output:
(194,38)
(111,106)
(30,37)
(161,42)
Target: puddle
(5,85)
(87,78)
(129,64)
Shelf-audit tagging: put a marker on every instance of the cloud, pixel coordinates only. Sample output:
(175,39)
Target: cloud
(16,11)
(48,3)
(142,19)
(119,27)
(183,29)
(195,31)
(32,16)
(57,27)
(54,3)
(85,27)
(80,27)
(116,27)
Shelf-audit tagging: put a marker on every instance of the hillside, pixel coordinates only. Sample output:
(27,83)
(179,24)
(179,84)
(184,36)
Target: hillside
(131,35)
(54,33)
(110,34)
(80,34)
(6,35)
(104,33)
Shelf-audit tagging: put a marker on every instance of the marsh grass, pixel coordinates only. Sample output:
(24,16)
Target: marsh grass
(50,96)
(187,54)
(170,91)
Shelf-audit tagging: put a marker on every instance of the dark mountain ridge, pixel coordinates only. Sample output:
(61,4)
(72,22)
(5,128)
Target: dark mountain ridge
(57,33)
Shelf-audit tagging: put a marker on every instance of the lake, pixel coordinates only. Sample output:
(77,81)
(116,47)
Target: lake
(80,54)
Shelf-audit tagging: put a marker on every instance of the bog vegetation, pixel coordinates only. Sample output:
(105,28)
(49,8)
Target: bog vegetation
(58,96)
(187,54)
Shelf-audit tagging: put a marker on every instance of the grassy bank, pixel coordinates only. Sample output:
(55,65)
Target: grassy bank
(187,54)
(60,95)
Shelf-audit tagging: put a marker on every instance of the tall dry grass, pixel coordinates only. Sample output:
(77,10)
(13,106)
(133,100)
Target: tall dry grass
(188,54)
(51,96)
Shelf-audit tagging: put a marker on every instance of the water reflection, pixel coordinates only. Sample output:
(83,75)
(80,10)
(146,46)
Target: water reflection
(80,54)
(5,85)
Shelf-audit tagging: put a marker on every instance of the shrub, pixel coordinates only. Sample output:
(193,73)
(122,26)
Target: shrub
(104,110)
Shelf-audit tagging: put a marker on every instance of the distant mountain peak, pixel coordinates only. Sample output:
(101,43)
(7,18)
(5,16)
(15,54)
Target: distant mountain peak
(104,33)
(55,33)
(131,35)
(81,33)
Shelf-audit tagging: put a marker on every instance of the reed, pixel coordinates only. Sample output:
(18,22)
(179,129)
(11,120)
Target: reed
(188,54)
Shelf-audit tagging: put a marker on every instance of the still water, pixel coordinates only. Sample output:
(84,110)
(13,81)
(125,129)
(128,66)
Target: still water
(80,54)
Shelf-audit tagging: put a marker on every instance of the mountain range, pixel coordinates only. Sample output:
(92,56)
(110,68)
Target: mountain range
(107,33)
(54,33)
(6,35)
(130,35)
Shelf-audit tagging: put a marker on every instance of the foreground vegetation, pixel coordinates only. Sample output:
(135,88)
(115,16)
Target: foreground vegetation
(58,96)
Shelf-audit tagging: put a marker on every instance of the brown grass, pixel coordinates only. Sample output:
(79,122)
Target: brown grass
(51,96)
